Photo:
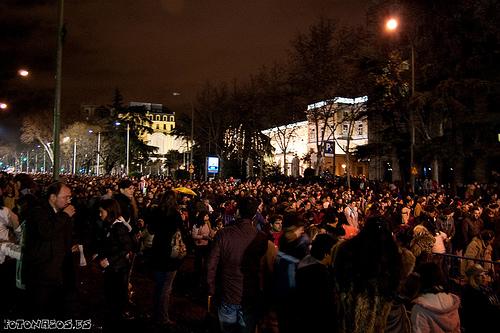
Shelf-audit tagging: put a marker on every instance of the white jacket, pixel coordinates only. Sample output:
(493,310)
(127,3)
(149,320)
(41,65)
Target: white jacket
(436,313)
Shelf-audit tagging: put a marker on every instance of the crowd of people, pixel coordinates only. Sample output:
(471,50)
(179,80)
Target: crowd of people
(277,256)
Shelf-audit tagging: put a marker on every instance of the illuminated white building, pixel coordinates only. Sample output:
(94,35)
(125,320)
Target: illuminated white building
(346,125)
(162,124)
(293,139)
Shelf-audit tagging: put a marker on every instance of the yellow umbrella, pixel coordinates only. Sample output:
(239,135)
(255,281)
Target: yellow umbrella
(185,190)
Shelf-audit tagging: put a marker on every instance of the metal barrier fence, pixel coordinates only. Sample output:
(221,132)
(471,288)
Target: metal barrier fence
(451,265)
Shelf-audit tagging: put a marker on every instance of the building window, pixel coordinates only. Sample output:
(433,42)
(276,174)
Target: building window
(360,129)
(164,118)
(172,118)
(345,129)
(312,135)
(157,118)
(171,127)
(164,126)
(157,126)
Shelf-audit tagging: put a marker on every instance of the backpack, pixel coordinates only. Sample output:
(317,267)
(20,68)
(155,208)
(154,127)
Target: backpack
(285,267)
(179,250)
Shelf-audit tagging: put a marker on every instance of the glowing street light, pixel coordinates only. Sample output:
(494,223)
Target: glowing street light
(4,106)
(391,24)
(23,72)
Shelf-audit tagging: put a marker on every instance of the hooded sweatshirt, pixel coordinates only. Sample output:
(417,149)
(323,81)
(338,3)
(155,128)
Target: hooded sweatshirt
(436,313)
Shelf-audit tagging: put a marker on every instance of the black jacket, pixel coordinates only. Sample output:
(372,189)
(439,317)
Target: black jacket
(126,208)
(314,296)
(117,247)
(46,253)
(163,225)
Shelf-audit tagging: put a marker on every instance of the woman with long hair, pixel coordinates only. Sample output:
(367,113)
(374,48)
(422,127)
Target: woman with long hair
(367,273)
(165,221)
(114,258)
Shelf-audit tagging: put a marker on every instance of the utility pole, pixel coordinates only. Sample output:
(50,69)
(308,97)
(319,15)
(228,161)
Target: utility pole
(192,140)
(98,152)
(74,157)
(128,148)
(57,101)
(412,123)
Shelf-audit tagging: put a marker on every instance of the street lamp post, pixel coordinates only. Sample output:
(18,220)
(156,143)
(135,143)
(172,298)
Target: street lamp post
(192,135)
(392,25)
(98,157)
(128,148)
(57,101)
(412,122)
(74,157)
(98,152)
(192,141)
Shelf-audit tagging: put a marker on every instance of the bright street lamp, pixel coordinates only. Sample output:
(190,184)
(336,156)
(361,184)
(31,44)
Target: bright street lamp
(23,72)
(391,26)
(4,106)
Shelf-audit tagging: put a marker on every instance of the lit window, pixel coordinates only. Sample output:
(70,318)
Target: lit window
(360,129)
(345,129)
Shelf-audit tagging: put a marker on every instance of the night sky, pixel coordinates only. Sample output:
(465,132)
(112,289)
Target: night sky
(149,48)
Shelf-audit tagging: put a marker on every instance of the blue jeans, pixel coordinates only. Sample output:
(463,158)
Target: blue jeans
(236,318)
(163,289)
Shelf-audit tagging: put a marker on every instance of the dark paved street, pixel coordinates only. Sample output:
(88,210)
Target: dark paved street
(188,306)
